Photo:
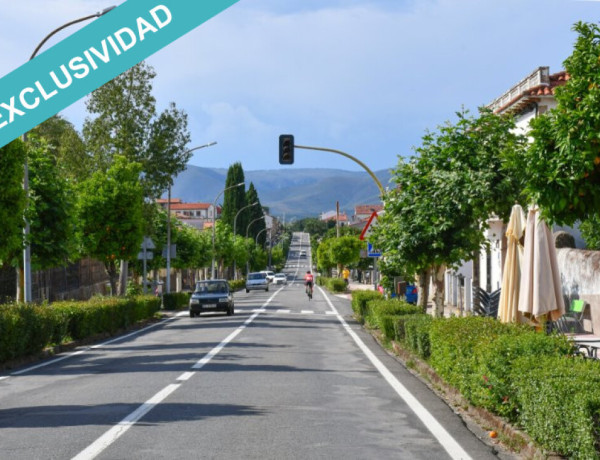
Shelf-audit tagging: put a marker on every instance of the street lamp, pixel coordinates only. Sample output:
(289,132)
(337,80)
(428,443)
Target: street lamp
(212,266)
(168,283)
(247,230)
(234,230)
(27,295)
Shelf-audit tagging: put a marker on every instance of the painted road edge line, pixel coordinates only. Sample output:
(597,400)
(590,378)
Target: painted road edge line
(439,432)
(114,433)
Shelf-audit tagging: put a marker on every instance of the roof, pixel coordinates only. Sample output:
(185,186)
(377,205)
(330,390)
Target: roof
(165,200)
(533,88)
(189,206)
(367,209)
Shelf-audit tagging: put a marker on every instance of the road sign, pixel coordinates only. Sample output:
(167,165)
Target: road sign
(173,252)
(148,244)
(372,252)
(367,230)
(145,255)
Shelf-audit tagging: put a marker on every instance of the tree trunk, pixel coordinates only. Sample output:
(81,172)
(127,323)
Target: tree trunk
(476,281)
(123,278)
(20,284)
(438,283)
(111,271)
(423,293)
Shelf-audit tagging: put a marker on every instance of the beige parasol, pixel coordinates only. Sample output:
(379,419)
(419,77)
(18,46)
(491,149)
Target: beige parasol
(540,279)
(509,295)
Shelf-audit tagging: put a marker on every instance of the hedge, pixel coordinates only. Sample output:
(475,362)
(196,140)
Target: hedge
(28,329)
(176,300)
(380,313)
(332,284)
(360,300)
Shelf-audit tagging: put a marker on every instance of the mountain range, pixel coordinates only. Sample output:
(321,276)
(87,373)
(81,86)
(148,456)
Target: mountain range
(305,192)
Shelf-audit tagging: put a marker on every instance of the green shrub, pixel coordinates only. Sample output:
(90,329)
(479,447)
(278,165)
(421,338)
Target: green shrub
(559,403)
(417,334)
(336,285)
(492,387)
(399,326)
(359,302)
(377,309)
(236,285)
(176,300)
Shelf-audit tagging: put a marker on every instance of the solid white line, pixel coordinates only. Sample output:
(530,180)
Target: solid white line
(283,311)
(444,438)
(98,446)
(306,312)
(109,437)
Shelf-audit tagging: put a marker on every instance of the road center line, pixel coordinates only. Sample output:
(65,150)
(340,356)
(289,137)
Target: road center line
(114,433)
(440,433)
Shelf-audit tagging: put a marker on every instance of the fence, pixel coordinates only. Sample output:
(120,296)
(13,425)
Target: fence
(80,280)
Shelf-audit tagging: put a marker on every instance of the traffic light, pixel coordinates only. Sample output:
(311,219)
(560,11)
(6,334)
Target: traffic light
(286,149)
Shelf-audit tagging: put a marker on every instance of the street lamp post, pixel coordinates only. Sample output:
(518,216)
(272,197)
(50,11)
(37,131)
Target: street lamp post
(168,281)
(234,234)
(212,266)
(247,230)
(27,294)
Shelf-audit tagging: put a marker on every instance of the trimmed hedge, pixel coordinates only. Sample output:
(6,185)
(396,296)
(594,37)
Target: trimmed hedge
(379,313)
(360,300)
(28,329)
(417,334)
(176,300)
(236,285)
(332,284)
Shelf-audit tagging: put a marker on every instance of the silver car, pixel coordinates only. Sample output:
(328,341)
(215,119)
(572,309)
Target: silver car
(280,278)
(257,281)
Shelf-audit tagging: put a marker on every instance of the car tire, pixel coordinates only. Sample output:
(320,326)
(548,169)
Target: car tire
(267,289)
(247,291)
(192,314)
(230,311)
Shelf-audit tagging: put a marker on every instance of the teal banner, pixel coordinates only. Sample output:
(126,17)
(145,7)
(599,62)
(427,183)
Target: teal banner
(94,55)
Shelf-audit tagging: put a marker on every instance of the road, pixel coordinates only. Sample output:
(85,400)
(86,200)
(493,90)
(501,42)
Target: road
(284,378)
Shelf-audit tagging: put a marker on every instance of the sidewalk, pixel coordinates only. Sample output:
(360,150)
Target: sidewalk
(355,286)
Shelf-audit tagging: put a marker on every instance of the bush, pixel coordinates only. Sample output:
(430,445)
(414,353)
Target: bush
(28,329)
(236,285)
(417,334)
(380,308)
(332,284)
(360,300)
(176,300)
(559,403)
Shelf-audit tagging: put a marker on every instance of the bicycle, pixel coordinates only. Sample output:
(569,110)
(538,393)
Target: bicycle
(309,291)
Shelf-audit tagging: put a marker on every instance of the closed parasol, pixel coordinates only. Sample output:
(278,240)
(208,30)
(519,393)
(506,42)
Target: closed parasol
(540,287)
(511,275)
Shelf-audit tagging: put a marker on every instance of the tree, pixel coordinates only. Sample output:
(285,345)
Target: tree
(590,231)
(437,215)
(562,165)
(126,124)
(66,146)
(12,198)
(255,213)
(50,211)
(109,212)
(234,199)
(342,251)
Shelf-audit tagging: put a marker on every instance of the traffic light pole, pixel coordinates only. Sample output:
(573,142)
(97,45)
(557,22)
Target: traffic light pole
(347,155)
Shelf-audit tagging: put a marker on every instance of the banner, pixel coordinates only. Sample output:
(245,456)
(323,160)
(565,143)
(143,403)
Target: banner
(94,55)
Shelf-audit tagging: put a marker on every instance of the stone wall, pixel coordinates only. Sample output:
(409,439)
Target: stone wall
(580,277)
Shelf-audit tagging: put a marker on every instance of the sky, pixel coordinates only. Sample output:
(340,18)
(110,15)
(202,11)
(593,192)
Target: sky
(365,77)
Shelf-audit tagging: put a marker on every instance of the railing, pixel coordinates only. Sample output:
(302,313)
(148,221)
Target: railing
(538,77)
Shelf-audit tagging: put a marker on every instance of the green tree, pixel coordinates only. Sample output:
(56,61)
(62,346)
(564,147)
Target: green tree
(254,214)
(66,146)
(126,124)
(109,213)
(50,211)
(563,163)
(234,199)
(437,214)
(590,231)
(12,198)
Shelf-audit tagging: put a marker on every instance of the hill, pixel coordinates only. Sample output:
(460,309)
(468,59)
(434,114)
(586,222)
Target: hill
(293,192)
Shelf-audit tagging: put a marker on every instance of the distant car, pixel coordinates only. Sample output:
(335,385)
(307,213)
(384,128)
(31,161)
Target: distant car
(302,253)
(269,274)
(211,295)
(280,278)
(412,293)
(257,281)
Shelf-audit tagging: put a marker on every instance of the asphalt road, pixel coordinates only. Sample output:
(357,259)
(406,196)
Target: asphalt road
(284,378)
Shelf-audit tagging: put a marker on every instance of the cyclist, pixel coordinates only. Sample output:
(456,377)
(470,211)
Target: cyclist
(308,282)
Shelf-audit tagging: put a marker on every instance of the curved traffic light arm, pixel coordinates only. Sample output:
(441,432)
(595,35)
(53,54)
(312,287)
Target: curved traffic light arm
(347,155)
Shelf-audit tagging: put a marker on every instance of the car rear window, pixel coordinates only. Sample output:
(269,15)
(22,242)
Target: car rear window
(256,276)
(209,287)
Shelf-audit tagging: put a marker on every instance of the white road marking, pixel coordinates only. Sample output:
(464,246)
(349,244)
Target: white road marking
(283,311)
(306,312)
(114,433)
(444,438)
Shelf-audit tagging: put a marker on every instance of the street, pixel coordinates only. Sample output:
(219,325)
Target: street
(283,378)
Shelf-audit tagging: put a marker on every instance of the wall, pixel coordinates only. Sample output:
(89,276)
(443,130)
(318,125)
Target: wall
(580,278)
